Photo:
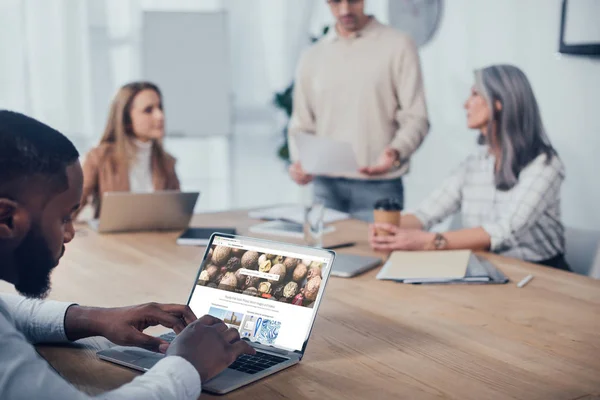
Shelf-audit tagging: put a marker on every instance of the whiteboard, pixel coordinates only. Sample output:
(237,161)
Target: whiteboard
(187,55)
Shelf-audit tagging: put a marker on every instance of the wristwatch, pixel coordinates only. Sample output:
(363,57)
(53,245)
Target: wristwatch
(397,163)
(439,242)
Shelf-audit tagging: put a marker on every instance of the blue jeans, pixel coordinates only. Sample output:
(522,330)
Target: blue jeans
(354,196)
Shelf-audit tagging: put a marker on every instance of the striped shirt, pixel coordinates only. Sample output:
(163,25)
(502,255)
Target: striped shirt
(523,222)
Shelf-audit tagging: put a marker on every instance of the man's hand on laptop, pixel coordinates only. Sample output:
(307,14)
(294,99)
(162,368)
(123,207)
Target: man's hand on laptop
(125,325)
(209,346)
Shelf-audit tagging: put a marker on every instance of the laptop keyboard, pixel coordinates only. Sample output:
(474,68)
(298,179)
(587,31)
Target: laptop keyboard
(245,363)
(256,363)
(168,337)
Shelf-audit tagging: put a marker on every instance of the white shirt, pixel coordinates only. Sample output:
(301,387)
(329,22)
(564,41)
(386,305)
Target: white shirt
(24,375)
(523,222)
(140,170)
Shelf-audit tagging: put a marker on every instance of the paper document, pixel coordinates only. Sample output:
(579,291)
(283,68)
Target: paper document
(322,156)
(295,214)
(426,265)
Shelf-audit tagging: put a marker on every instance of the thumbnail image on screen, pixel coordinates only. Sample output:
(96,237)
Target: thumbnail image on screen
(269,276)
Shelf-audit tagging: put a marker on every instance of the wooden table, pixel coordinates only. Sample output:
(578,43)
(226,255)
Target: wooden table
(372,339)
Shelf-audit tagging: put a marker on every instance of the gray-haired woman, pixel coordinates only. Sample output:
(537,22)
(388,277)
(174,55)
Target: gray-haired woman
(508,192)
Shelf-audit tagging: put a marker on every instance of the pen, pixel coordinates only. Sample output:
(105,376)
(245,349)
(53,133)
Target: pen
(341,245)
(525,281)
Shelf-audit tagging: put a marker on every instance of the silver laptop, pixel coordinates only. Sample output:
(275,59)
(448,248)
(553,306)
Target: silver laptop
(128,212)
(349,265)
(272,299)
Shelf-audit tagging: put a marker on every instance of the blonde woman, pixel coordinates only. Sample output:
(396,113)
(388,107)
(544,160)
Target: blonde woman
(130,155)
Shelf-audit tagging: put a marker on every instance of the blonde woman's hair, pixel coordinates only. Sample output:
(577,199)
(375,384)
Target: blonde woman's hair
(119,131)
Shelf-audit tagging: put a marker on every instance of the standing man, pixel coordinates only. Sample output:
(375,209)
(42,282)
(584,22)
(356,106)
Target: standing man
(360,84)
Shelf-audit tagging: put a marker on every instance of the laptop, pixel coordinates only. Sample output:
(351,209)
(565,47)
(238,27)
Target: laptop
(201,236)
(272,298)
(130,212)
(350,265)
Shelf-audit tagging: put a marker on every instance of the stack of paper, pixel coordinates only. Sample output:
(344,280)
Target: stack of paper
(325,156)
(295,214)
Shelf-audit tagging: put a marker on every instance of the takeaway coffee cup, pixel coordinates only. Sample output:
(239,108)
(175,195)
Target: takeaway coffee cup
(387,211)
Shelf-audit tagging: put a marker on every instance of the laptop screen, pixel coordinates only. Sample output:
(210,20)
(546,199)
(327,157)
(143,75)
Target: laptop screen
(269,291)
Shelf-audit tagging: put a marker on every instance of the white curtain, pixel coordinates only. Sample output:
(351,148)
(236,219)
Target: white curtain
(44,62)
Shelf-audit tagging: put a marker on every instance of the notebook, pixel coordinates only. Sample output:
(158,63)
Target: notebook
(454,266)
(201,236)
(422,265)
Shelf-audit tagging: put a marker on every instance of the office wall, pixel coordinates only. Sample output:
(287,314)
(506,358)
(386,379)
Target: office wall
(194,74)
(267,37)
(476,33)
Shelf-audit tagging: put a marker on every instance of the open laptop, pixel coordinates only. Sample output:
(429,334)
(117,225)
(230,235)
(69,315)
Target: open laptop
(128,212)
(265,306)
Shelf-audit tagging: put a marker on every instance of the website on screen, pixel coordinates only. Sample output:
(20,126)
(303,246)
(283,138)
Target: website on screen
(267,294)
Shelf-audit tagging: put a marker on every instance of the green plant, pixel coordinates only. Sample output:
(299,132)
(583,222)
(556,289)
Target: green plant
(284,101)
